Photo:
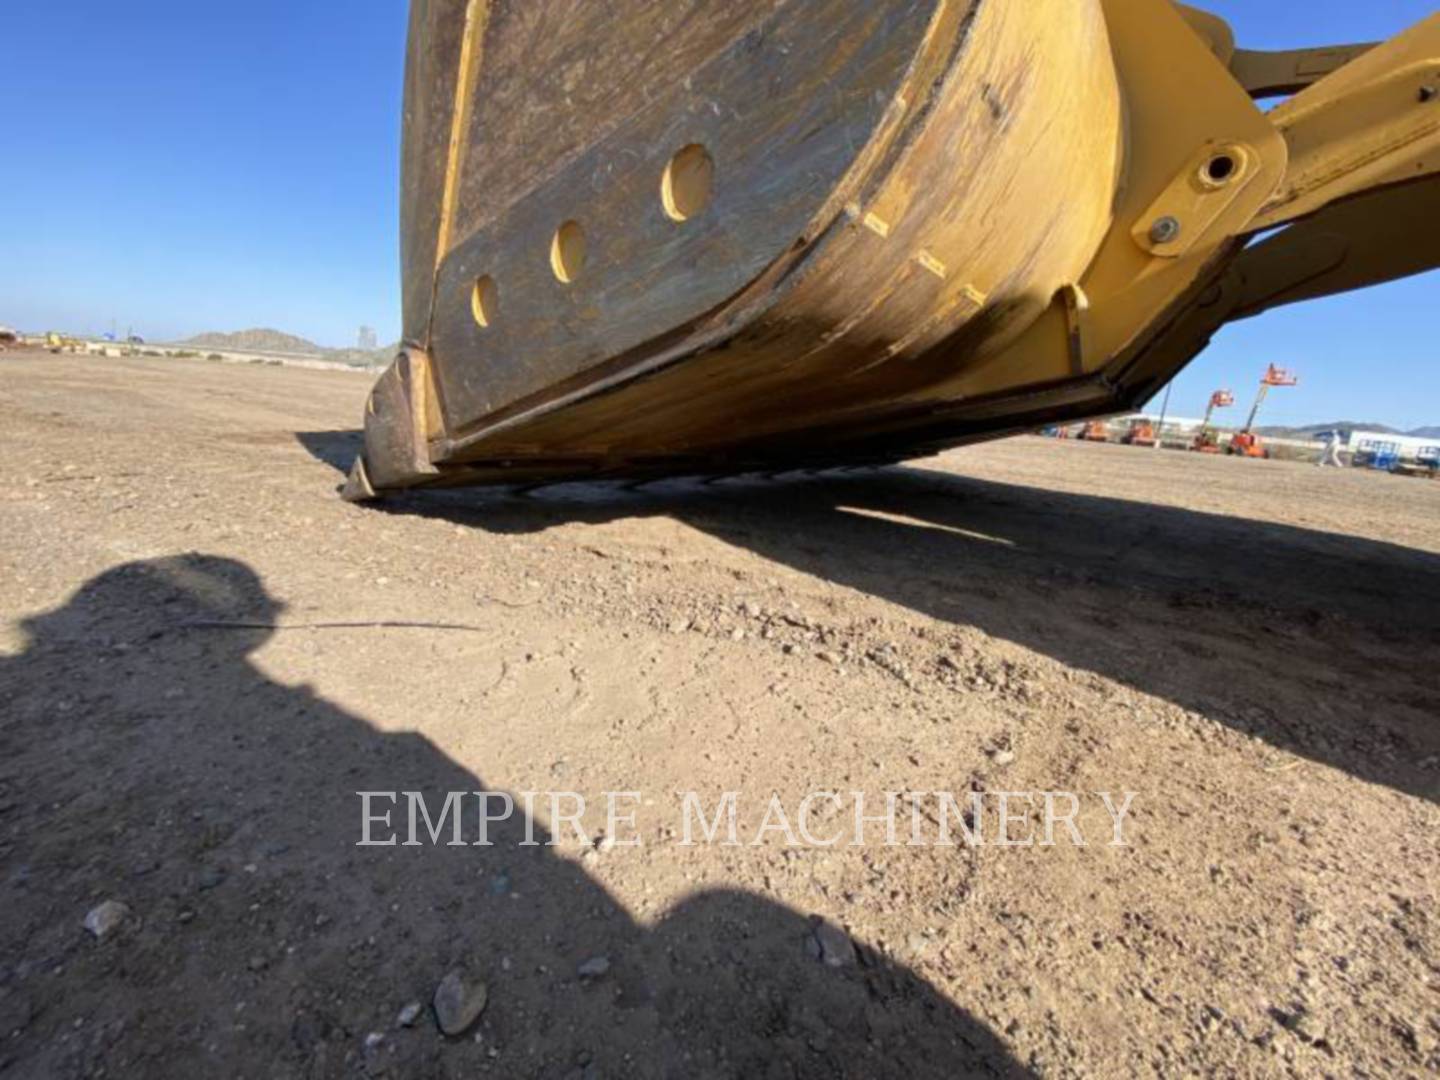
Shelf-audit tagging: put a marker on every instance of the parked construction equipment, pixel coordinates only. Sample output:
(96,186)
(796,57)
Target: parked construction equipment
(1140,433)
(1205,440)
(1273,377)
(1245,442)
(58,343)
(746,239)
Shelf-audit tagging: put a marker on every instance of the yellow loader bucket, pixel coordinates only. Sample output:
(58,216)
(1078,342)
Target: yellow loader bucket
(644,239)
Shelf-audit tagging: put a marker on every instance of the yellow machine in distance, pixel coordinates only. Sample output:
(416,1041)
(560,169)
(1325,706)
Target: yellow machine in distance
(58,343)
(768,235)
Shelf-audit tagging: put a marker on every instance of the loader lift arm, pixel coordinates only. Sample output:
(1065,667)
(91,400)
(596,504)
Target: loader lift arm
(1270,73)
(1359,202)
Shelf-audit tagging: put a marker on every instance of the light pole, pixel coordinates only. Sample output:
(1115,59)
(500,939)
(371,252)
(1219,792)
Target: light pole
(1164,412)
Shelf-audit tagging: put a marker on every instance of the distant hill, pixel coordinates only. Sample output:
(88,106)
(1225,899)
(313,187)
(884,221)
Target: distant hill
(1311,431)
(264,340)
(257,340)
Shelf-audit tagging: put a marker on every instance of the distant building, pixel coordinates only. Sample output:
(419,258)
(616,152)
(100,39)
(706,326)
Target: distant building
(367,340)
(1174,425)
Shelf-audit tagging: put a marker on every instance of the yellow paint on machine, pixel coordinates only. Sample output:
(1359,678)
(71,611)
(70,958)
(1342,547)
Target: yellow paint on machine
(923,223)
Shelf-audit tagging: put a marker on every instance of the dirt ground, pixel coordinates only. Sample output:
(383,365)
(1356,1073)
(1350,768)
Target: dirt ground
(205,655)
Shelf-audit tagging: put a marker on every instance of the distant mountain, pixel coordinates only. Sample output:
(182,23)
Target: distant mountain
(257,340)
(1312,431)
(264,340)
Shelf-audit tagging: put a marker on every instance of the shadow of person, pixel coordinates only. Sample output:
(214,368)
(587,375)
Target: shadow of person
(147,760)
(1324,645)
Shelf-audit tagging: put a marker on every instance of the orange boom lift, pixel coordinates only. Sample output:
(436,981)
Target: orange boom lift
(1205,441)
(1246,443)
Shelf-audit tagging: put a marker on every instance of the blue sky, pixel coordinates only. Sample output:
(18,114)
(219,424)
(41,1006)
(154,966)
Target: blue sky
(179,167)
(182,166)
